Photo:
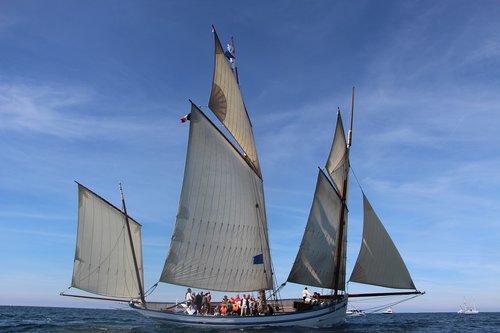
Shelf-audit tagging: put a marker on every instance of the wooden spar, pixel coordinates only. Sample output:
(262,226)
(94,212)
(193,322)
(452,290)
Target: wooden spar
(416,292)
(349,135)
(141,291)
(340,237)
(98,298)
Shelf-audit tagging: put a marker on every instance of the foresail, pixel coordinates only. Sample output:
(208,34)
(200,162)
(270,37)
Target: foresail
(337,163)
(104,264)
(379,262)
(314,264)
(220,239)
(227,104)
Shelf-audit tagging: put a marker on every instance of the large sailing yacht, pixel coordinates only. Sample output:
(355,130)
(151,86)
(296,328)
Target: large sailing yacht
(220,240)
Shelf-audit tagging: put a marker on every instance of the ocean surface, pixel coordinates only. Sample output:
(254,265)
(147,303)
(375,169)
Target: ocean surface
(41,319)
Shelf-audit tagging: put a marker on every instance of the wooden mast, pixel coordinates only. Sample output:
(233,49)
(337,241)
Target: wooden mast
(342,223)
(141,291)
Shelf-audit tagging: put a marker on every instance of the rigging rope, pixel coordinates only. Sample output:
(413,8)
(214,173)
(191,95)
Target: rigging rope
(355,177)
(150,290)
(384,306)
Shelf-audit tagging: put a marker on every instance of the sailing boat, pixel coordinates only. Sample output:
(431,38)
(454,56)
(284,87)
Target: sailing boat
(220,240)
(467,309)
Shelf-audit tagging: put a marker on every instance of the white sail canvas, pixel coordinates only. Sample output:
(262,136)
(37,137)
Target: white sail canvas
(314,264)
(104,263)
(220,235)
(337,164)
(379,262)
(227,104)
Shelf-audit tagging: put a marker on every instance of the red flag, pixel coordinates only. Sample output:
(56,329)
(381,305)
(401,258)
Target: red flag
(186,117)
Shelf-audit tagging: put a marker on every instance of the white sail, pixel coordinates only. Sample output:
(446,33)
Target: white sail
(337,163)
(227,104)
(314,264)
(221,227)
(379,262)
(104,263)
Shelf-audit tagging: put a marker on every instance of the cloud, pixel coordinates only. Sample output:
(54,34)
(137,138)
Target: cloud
(68,112)
(39,108)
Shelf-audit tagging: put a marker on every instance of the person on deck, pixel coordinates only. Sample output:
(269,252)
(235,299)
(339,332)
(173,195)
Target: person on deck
(198,301)
(236,308)
(189,297)
(216,311)
(223,309)
(208,300)
(237,301)
(244,305)
(306,295)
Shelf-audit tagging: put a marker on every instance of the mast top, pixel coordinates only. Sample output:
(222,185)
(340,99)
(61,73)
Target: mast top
(349,135)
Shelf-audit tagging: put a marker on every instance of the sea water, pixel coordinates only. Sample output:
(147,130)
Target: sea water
(42,320)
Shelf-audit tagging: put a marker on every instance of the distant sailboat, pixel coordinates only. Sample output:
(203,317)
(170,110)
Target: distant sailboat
(220,240)
(388,311)
(467,309)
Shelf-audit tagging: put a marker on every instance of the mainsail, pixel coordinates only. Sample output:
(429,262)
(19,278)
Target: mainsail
(379,262)
(104,263)
(227,104)
(313,265)
(220,239)
(317,258)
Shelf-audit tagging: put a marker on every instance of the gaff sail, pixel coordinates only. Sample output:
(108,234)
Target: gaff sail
(104,263)
(220,239)
(313,265)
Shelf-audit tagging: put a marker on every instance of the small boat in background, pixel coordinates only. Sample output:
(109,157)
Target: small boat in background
(467,309)
(388,311)
(353,312)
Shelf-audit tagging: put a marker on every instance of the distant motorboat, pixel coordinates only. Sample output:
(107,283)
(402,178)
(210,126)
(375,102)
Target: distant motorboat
(388,311)
(353,312)
(467,309)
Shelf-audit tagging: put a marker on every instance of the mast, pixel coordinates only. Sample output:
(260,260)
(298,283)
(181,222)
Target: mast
(340,237)
(141,291)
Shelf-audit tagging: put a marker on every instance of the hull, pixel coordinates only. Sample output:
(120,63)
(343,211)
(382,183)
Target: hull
(327,316)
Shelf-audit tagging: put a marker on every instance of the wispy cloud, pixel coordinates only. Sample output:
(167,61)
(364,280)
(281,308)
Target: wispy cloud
(68,112)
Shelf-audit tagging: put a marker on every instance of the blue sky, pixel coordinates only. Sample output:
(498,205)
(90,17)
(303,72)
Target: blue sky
(93,91)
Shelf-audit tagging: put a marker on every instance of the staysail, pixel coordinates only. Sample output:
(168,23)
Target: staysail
(220,239)
(104,263)
(379,262)
(227,104)
(316,260)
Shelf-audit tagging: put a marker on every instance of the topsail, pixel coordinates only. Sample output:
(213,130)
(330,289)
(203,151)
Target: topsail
(227,104)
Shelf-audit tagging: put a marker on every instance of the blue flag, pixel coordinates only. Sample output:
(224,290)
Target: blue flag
(258,259)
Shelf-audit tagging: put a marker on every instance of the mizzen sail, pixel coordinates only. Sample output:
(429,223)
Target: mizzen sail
(379,262)
(104,264)
(227,104)
(220,239)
